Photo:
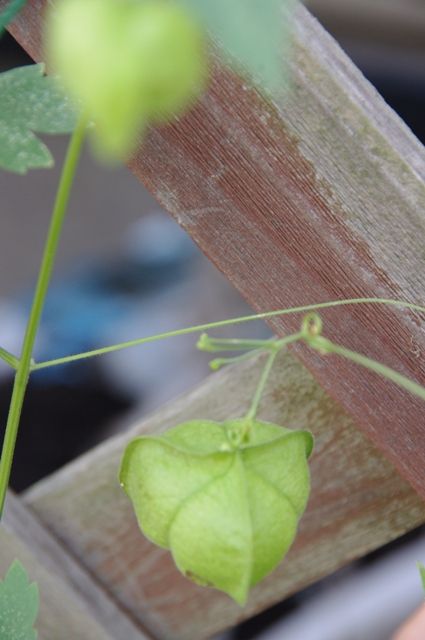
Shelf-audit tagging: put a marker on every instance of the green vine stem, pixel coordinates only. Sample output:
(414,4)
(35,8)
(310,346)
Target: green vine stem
(25,362)
(278,345)
(9,358)
(217,363)
(223,323)
(326,346)
(311,333)
(261,385)
(206,343)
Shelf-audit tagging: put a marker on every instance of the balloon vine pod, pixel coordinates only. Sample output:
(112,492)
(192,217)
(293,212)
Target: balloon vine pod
(225,504)
(224,497)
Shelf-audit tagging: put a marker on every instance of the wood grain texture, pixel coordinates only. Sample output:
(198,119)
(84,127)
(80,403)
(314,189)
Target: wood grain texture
(358,503)
(72,605)
(314,194)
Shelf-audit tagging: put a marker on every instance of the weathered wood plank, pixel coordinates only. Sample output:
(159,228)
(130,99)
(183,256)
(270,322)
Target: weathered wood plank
(358,503)
(72,605)
(315,195)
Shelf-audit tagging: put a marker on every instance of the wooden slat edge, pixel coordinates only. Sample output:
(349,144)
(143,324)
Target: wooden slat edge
(72,605)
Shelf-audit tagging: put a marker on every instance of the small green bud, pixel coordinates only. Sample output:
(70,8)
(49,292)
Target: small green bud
(203,343)
(227,507)
(128,62)
(215,364)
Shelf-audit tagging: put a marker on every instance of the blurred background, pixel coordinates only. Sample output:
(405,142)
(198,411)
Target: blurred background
(126,270)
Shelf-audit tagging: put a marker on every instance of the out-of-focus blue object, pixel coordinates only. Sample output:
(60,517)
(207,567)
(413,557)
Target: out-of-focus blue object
(84,306)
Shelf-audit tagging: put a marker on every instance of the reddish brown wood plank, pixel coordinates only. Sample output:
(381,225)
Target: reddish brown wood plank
(315,195)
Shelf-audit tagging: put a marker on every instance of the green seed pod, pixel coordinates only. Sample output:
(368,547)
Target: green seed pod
(128,62)
(225,498)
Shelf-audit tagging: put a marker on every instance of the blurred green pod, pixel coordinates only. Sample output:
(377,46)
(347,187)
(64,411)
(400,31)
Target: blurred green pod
(127,62)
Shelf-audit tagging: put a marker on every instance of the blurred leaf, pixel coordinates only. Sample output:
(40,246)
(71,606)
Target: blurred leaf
(421,568)
(252,32)
(18,605)
(29,102)
(7,15)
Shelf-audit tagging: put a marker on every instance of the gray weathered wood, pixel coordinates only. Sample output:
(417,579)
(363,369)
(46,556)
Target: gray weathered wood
(72,605)
(358,503)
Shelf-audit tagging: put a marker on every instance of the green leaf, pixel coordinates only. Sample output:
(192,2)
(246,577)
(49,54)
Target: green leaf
(225,498)
(7,15)
(18,605)
(421,568)
(30,102)
(253,33)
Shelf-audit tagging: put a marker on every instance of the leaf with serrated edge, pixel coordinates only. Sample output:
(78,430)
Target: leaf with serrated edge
(18,605)
(30,102)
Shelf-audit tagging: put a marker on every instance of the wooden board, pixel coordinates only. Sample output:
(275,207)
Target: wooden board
(313,195)
(72,606)
(358,503)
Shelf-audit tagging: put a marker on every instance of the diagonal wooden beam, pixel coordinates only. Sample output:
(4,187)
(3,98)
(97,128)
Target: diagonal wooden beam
(315,195)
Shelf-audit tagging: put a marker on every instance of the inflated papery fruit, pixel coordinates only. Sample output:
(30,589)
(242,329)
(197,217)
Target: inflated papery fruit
(127,62)
(224,498)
